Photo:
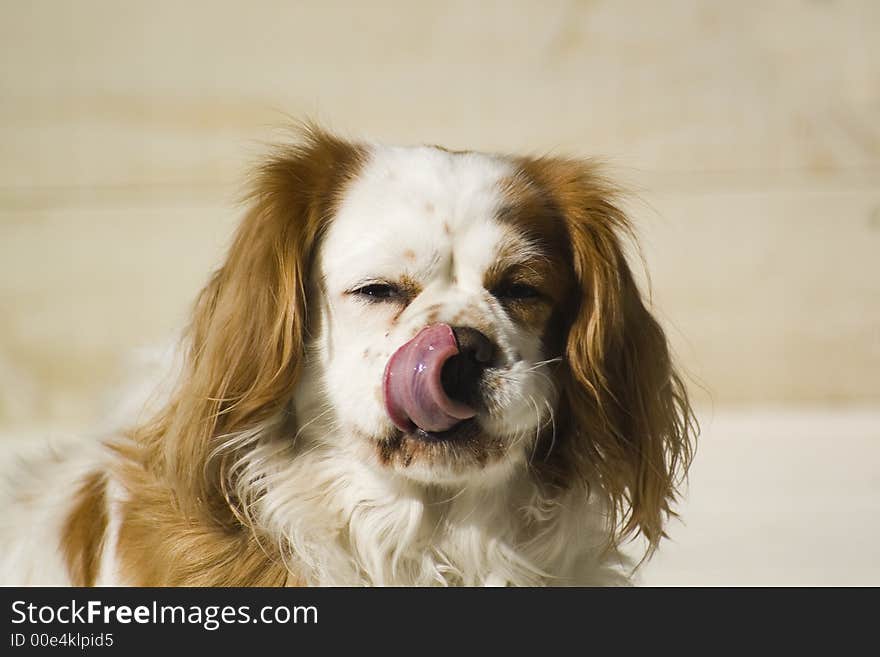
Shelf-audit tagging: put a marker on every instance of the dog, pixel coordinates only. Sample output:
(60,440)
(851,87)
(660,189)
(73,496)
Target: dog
(416,366)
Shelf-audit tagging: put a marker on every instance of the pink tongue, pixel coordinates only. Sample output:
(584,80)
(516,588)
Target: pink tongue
(414,395)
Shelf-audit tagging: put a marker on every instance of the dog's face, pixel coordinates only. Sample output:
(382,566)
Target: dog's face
(445,317)
(437,342)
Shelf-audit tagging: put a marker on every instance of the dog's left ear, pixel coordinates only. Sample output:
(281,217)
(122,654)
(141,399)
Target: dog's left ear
(631,427)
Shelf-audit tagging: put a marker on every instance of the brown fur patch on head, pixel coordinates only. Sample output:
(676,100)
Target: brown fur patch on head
(84,532)
(625,424)
(536,253)
(537,227)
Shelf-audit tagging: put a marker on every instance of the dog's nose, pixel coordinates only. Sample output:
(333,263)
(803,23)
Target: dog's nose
(462,373)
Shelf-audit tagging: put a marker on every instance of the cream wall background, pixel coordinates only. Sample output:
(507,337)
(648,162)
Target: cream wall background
(749,132)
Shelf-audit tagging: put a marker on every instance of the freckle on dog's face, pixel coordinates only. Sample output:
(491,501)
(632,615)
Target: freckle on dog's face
(426,238)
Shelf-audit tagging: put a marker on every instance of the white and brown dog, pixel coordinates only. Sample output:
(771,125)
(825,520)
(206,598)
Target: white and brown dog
(415,367)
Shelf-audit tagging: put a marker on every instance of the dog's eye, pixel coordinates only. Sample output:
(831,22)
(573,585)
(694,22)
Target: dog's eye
(517,292)
(377,292)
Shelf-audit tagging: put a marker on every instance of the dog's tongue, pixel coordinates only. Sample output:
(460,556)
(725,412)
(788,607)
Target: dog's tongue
(414,395)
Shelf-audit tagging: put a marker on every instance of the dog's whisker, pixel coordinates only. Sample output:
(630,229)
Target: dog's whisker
(552,420)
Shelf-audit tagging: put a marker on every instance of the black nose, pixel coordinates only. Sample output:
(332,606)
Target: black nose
(462,373)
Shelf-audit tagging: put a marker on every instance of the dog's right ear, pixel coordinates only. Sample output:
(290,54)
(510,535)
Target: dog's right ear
(247,334)
(631,426)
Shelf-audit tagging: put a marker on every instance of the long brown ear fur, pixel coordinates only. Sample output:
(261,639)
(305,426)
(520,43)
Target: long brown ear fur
(249,325)
(632,428)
